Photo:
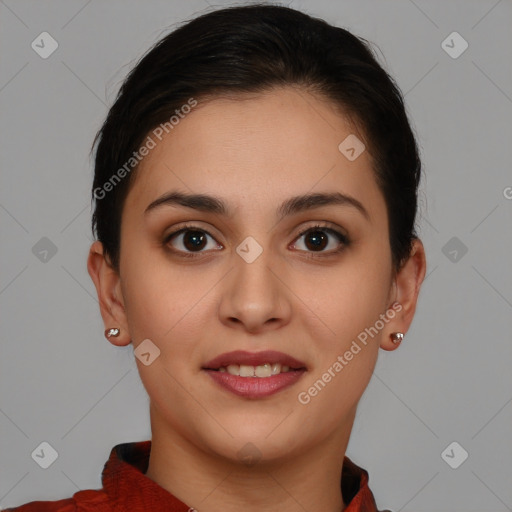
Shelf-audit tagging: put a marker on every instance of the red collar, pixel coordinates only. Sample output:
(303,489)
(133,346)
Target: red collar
(129,488)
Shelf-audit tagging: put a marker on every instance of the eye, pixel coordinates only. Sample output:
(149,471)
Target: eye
(190,239)
(317,239)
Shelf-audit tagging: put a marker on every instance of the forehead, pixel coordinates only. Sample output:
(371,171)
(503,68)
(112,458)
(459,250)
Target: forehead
(256,150)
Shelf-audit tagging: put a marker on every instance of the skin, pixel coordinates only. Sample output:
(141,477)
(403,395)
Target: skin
(254,153)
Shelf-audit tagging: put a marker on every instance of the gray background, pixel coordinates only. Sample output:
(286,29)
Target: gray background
(63,383)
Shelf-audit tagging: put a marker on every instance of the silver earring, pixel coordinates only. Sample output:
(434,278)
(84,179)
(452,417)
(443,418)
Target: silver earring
(112,332)
(397,337)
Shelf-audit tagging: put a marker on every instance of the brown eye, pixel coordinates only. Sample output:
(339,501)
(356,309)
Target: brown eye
(318,238)
(194,240)
(189,239)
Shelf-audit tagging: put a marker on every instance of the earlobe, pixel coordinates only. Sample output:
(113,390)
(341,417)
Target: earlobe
(406,289)
(107,282)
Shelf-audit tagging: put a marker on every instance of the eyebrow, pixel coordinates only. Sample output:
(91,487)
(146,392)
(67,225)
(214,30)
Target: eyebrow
(291,206)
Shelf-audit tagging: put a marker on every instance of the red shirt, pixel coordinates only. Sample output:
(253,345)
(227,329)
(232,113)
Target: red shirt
(127,488)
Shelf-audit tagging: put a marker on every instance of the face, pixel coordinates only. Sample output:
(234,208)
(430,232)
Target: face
(247,279)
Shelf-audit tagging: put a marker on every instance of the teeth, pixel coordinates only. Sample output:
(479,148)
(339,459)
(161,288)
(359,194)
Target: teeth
(246,371)
(263,370)
(233,369)
(276,368)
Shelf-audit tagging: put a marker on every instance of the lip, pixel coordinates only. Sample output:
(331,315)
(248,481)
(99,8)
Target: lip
(254,387)
(254,359)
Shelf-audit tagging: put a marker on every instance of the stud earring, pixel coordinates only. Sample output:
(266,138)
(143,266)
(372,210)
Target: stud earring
(112,332)
(397,337)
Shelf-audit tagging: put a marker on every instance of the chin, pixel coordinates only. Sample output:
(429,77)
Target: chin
(254,442)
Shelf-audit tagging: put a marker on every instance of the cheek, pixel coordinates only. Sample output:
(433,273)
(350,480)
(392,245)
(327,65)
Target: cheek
(333,394)
(345,299)
(347,302)
(160,296)
(160,307)
(345,353)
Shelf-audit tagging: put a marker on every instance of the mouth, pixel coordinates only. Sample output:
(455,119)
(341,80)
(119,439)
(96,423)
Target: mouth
(254,375)
(260,371)
(254,364)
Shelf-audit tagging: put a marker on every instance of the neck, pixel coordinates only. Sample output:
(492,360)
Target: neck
(207,482)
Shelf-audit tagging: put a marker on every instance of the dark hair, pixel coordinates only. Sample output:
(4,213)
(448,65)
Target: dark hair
(255,48)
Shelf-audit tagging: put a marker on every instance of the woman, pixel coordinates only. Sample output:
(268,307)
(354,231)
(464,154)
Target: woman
(255,200)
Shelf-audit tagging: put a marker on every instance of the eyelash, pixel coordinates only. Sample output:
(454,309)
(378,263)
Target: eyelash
(345,241)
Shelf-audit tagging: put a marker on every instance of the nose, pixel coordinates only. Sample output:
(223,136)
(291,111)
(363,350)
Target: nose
(254,297)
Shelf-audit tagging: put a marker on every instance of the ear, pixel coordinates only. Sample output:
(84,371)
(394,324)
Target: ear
(405,290)
(108,287)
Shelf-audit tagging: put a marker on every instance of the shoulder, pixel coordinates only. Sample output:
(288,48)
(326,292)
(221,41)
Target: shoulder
(82,501)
